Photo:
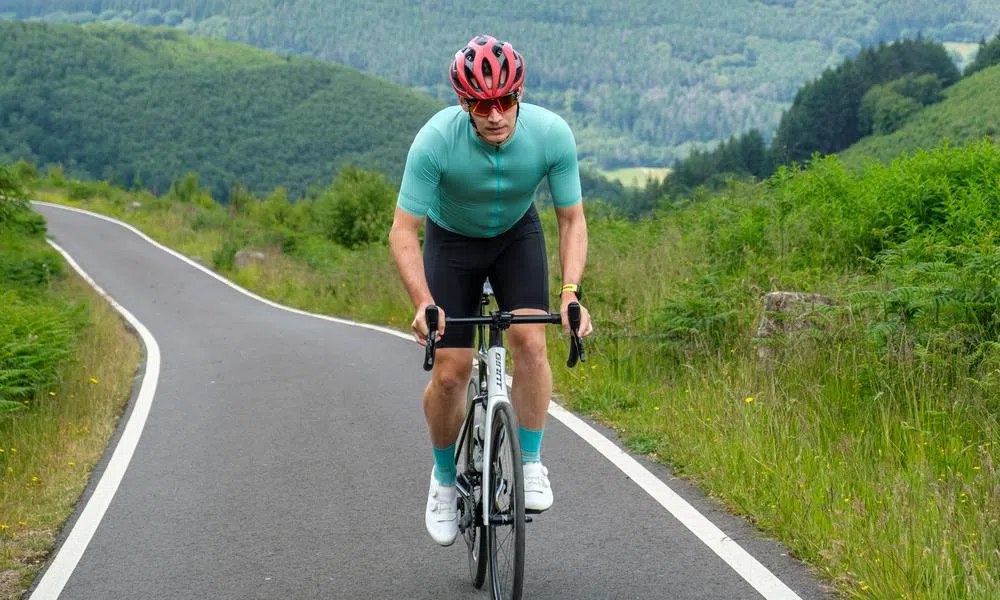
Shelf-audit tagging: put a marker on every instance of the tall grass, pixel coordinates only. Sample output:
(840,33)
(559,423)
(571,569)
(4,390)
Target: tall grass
(869,445)
(49,449)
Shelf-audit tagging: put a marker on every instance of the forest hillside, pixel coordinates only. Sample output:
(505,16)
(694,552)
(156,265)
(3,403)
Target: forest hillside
(641,83)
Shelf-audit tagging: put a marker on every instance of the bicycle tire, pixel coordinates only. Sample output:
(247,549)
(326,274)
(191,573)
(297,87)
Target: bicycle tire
(505,506)
(475,533)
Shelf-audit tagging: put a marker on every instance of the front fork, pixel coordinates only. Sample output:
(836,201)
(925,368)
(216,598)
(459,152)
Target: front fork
(496,392)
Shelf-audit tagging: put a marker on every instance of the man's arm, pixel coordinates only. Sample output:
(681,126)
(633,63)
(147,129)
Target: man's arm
(404,242)
(572,242)
(573,257)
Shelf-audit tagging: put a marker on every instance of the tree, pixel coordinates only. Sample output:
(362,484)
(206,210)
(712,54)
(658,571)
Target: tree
(825,115)
(885,108)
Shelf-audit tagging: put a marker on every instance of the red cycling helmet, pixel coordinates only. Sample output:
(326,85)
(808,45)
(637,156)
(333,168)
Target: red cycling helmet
(486,69)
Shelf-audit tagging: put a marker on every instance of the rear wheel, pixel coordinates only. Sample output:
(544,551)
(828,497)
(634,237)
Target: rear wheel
(504,502)
(470,511)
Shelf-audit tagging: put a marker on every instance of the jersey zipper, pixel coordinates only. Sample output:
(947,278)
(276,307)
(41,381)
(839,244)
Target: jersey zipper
(495,220)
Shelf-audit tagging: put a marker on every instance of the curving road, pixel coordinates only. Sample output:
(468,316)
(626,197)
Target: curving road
(286,456)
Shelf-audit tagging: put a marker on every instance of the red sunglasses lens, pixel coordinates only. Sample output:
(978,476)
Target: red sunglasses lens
(482,108)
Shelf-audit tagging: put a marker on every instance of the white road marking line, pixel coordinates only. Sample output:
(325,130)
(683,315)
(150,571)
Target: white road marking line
(72,549)
(741,561)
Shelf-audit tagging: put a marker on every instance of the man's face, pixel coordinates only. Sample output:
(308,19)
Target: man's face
(498,125)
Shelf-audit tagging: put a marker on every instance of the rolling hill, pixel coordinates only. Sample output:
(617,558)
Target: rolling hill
(142,105)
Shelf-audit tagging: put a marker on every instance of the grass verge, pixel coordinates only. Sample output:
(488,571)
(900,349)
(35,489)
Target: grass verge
(49,450)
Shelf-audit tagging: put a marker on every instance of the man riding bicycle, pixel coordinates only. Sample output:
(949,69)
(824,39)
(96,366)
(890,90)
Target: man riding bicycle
(472,171)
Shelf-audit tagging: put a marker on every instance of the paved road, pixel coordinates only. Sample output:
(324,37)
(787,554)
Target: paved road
(286,456)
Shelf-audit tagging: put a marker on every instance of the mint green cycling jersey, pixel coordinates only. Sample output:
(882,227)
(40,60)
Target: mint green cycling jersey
(473,188)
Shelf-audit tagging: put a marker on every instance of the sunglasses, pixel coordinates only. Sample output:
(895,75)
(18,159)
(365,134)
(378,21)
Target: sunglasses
(482,108)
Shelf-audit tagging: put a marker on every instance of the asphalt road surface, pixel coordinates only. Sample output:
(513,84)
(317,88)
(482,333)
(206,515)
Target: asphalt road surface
(286,456)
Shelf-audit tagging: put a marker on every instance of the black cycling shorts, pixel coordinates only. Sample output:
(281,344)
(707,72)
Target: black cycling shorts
(456,267)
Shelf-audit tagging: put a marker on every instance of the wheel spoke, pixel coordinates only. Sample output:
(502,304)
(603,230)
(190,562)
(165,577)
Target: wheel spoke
(506,514)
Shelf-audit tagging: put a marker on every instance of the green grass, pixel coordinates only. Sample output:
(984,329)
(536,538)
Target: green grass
(869,446)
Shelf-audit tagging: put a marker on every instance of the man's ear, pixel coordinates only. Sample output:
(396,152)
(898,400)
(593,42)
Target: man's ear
(463,103)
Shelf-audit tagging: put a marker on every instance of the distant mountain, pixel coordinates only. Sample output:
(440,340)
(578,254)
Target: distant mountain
(147,105)
(641,82)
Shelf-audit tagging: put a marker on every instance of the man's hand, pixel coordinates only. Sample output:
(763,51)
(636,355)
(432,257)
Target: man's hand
(419,325)
(585,326)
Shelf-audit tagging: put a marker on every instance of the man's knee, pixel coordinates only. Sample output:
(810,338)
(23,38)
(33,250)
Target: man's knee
(452,369)
(529,346)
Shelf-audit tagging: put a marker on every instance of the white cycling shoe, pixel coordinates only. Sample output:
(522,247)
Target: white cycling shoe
(441,515)
(537,489)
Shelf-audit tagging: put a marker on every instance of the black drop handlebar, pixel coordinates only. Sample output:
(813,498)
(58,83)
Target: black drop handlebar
(499,320)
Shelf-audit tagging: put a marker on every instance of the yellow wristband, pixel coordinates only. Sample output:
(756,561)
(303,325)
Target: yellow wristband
(569,287)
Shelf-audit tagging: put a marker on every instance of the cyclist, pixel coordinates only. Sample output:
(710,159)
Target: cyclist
(472,171)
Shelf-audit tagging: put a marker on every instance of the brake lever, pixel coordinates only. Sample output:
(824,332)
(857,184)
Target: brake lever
(576,352)
(431,315)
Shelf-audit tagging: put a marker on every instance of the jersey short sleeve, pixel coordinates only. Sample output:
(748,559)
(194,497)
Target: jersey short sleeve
(422,173)
(564,172)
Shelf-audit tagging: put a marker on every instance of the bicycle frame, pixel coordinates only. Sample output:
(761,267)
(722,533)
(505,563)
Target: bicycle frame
(496,386)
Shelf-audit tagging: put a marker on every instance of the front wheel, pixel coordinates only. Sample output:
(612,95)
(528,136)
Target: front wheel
(471,463)
(504,501)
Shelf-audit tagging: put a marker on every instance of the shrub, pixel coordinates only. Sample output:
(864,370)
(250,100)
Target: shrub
(56,177)
(357,209)
(15,212)
(26,263)
(12,195)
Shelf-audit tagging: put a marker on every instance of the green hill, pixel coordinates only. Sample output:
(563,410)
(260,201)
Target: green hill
(968,112)
(147,105)
(641,83)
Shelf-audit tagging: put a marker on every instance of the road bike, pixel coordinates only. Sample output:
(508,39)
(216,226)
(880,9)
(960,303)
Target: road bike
(490,482)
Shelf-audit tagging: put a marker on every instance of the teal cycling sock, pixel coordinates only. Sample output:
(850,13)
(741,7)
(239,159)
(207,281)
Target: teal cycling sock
(444,465)
(531,444)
